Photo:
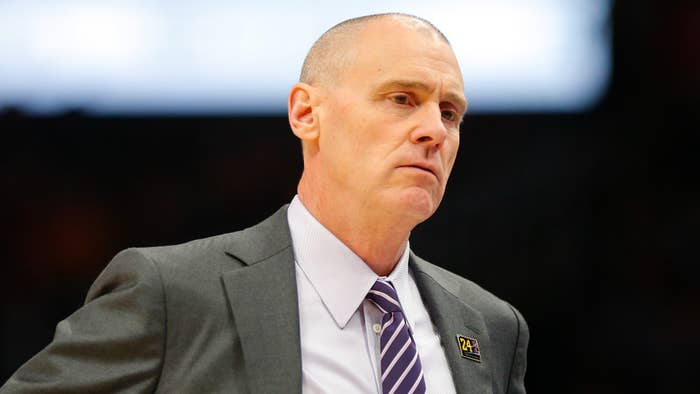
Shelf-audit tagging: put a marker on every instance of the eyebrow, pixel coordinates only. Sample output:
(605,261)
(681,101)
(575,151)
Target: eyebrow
(453,97)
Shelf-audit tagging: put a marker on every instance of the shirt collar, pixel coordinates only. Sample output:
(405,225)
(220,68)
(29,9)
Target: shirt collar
(339,276)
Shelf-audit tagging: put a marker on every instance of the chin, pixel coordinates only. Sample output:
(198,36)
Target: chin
(418,203)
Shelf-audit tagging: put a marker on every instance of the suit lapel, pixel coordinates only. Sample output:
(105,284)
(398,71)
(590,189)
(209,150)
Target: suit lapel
(263,302)
(452,317)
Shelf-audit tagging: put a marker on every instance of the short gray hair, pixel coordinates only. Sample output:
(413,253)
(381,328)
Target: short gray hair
(329,54)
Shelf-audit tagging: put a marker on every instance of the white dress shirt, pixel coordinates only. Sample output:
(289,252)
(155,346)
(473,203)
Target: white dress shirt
(338,327)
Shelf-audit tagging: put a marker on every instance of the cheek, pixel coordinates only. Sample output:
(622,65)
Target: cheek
(344,154)
(356,137)
(451,147)
(360,142)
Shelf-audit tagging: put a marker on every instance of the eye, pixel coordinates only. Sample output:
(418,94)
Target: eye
(449,115)
(401,98)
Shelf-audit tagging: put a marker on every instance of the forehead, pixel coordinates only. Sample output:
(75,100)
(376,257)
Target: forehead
(406,49)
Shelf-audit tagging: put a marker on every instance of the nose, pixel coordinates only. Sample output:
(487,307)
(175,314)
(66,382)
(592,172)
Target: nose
(431,129)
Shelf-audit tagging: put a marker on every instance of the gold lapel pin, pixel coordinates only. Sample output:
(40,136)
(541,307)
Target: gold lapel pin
(469,348)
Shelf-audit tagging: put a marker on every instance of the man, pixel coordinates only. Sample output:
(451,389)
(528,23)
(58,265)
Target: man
(325,295)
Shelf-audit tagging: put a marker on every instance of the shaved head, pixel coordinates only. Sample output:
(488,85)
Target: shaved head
(335,49)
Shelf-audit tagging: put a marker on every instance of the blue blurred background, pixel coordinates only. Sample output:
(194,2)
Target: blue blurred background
(176,57)
(574,195)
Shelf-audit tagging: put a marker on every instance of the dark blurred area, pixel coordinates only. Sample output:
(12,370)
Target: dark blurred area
(588,223)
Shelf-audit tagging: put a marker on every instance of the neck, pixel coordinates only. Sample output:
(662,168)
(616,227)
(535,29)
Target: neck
(378,237)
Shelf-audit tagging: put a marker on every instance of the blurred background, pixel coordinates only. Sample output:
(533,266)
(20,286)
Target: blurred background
(574,195)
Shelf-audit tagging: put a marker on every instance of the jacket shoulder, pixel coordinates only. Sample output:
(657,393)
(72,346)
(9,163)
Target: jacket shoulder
(245,246)
(196,266)
(494,309)
(503,324)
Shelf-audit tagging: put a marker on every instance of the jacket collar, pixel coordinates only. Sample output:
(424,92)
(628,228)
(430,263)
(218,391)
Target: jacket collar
(263,301)
(443,295)
(264,305)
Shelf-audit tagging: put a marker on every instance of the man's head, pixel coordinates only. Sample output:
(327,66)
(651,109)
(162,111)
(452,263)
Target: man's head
(378,111)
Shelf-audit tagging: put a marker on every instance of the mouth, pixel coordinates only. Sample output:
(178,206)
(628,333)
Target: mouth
(424,167)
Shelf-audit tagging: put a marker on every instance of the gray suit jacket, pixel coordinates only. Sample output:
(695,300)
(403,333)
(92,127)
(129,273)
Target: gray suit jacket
(220,315)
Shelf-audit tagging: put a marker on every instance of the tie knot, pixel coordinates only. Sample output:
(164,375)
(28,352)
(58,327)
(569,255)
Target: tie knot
(383,295)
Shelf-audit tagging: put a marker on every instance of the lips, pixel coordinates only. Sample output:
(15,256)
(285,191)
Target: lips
(425,167)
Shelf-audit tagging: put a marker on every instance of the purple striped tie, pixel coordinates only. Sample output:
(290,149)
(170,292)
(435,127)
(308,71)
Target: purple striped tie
(402,371)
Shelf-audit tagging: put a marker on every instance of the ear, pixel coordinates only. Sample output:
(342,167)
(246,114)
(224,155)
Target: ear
(300,109)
